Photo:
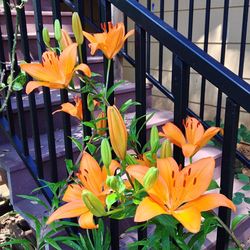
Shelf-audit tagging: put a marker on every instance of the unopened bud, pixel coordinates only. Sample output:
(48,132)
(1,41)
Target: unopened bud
(166,149)
(57,30)
(154,139)
(130,160)
(116,183)
(77,28)
(106,153)
(93,203)
(46,38)
(150,178)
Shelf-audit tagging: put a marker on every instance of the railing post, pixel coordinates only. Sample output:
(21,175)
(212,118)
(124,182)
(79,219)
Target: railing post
(180,89)
(227,167)
(140,93)
(46,94)
(86,112)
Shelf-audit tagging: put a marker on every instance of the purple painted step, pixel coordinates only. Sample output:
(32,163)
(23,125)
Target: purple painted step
(122,93)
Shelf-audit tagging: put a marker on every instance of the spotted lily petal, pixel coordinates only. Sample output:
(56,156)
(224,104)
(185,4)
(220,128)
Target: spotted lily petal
(31,85)
(73,192)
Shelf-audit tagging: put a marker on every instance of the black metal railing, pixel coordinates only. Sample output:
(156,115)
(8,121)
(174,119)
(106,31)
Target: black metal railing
(185,55)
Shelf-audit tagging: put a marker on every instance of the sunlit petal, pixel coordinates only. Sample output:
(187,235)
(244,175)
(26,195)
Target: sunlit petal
(68,210)
(173,133)
(72,193)
(84,68)
(189,217)
(35,84)
(208,135)
(86,221)
(188,150)
(148,209)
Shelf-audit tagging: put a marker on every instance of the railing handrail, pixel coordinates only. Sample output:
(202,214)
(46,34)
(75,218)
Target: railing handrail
(224,79)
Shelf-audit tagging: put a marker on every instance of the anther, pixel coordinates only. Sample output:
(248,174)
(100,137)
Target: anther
(194,182)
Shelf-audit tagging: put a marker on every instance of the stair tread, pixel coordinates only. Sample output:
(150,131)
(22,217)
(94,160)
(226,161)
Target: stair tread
(56,98)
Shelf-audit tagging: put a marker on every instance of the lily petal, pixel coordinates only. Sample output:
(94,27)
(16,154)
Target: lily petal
(90,174)
(68,59)
(86,221)
(84,68)
(72,193)
(189,217)
(189,150)
(148,209)
(173,133)
(68,210)
(159,191)
(208,135)
(196,178)
(35,84)
(208,202)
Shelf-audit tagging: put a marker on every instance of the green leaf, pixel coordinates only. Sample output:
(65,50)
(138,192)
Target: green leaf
(89,124)
(53,243)
(22,242)
(19,81)
(243,178)
(94,74)
(77,143)
(237,200)
(17,86)
(111,199)
(91,148)
(247,200)
(237,220)
(69,165)
(34,199)
(128,104)
(90,102)
(246,187)
(213,185)
(239,194)
(112,88)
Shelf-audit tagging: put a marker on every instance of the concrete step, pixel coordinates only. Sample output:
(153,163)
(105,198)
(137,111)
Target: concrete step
(124,92)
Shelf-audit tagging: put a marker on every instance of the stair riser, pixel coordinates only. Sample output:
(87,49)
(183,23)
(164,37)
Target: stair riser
(57,118)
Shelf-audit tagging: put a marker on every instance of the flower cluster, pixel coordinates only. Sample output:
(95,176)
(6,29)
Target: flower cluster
(150,181)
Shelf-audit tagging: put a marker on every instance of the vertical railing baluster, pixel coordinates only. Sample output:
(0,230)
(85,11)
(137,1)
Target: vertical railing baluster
(2,64)
(86,117)
(46,94)
(19,97)
(160,45)
(243,38)
(148,51)
(125,20)
(206,35)
(32,101)
(180,89)
(63,94)
(222,58)
(227,168)
(140,93)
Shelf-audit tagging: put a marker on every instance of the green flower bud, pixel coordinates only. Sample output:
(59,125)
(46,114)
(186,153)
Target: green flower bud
(116,183)
(106,153)
(150,178)
(166,149)
(154,139)
(93,203)
(77,28)
(57,30)
(46,38)
(130,160)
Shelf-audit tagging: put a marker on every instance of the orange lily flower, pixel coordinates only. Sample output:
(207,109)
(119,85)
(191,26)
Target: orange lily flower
(196,136)
(73,110)
(179,193)
(117,131)
(55,71)
(93,179)
(65,40)
(109,42)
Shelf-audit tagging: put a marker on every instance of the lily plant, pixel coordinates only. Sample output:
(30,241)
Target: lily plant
(111,177)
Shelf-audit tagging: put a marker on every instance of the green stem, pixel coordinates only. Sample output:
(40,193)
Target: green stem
(231,233)
(107,77)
